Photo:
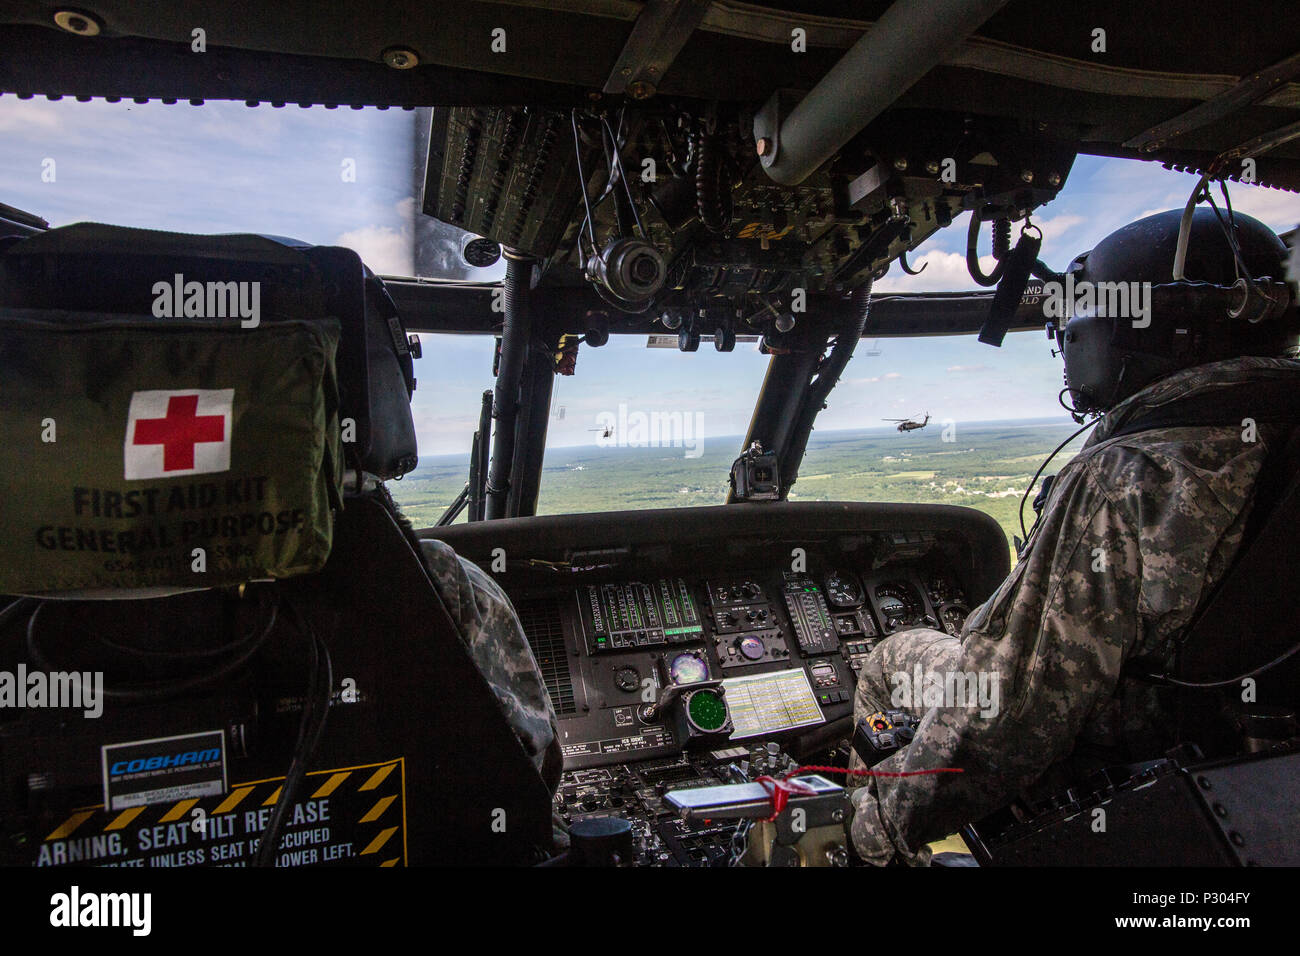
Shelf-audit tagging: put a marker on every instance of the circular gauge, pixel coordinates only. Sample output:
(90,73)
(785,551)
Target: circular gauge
(750,647)
(688,669)
(627,679)
(706,710)
(891,606)
(900,605)
(943,590)
(953,616)
(481,253)
(842,590)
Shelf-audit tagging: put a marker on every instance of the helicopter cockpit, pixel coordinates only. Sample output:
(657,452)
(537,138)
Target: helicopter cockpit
(644,225)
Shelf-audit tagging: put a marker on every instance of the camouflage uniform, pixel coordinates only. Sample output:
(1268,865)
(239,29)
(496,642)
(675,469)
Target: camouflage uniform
(1135,532)
(488,624)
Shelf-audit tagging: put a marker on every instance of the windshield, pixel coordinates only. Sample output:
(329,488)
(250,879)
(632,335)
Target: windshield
(636,427)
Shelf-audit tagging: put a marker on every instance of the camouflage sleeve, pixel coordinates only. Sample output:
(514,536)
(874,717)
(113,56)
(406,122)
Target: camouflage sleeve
(1121,552)
(490,628)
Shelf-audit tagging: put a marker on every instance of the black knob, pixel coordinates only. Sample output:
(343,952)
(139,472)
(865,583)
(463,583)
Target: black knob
(604,841)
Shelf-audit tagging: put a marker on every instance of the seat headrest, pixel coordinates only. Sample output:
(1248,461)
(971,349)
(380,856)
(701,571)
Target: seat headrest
(178,411)
(92,267)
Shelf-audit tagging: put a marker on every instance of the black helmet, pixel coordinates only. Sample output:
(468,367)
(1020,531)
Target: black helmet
(1161,326)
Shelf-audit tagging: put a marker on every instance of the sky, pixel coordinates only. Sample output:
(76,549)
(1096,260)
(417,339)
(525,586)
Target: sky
(345,177)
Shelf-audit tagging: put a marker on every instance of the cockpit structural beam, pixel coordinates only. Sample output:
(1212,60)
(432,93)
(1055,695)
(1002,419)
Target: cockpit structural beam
(537,389)
(660,32)
(516,334)
(910,39)
(797,385)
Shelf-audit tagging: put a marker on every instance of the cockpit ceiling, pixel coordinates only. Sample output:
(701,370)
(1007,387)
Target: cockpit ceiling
(1031,61)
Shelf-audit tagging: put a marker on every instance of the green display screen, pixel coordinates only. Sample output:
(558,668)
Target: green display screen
(707,711)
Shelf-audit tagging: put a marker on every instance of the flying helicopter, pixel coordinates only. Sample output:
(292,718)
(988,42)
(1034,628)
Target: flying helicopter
(909,424)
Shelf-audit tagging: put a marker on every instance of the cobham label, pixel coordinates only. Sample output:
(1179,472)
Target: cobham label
(164,769)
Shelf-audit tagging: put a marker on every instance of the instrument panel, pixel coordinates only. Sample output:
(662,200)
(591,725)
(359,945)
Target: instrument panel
(688,647)
(750,654)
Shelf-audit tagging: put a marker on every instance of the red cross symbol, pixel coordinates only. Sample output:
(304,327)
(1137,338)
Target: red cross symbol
(180,431)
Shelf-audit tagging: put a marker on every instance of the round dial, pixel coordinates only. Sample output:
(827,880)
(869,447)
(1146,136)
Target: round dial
(944,590)
(688,669)
(481,253)
(953,616)
(706,710)
(892,606)
(750,647)
(842,590)
(900,605)
(627,679)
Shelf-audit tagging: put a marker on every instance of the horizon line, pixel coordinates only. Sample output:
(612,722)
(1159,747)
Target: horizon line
(740,438)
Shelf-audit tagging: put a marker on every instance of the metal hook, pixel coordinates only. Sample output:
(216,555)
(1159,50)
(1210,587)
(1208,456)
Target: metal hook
(902,261)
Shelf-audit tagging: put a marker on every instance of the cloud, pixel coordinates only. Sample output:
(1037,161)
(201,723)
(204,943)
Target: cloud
(1054,226)
(1123,192)
(944,272)
(20,116)
(1280,210)
(387,250)
(384,249)
(968,368)
(875,378)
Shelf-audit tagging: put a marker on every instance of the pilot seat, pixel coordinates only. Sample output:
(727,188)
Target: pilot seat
(222,645)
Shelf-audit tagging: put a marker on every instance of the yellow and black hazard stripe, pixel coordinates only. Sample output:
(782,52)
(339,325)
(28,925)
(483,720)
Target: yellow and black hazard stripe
(367,802)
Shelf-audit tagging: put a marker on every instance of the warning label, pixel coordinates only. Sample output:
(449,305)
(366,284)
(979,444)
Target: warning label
(350,816)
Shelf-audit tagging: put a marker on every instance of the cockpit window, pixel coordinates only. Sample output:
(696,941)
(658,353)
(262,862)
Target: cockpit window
(636,427)
(451,376)
(641,427)
(324,176)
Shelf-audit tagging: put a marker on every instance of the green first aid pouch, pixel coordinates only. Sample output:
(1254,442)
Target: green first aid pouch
(164,453)
(175,408)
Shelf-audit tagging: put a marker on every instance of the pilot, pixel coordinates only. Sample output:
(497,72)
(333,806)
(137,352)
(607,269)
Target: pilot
(1135,532)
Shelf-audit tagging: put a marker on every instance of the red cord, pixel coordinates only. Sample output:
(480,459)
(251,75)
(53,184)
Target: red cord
(869,773)
(781,788)
(780,791)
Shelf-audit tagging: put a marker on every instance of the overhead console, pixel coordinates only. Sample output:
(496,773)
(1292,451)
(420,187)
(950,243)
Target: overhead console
(660,632)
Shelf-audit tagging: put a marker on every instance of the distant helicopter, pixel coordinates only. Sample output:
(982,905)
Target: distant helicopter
(907,424)
(608,431)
